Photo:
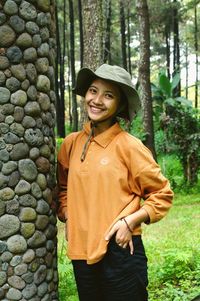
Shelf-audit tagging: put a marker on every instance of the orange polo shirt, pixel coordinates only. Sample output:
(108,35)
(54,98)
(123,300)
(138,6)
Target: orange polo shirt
(117,177)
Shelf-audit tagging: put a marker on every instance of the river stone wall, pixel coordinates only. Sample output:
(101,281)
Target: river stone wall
(28,267)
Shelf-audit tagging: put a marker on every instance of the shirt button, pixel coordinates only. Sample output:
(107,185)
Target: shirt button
(92,143)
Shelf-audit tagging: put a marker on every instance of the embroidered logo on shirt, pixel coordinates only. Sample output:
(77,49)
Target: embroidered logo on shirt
(104,161)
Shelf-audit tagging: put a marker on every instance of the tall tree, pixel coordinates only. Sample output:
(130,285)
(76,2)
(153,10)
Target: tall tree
(123,34)
(144,73)
(107,51)
(196,53)
(93,33)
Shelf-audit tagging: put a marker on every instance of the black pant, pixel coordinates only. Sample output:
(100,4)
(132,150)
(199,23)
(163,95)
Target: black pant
(119,276)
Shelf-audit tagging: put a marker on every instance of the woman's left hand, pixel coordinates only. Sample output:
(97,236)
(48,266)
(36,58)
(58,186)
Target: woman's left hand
(123,236)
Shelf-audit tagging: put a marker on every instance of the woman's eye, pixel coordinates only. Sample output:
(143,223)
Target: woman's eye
(108,95)
(92,90)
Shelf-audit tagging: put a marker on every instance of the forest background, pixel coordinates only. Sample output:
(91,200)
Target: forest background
(158,43)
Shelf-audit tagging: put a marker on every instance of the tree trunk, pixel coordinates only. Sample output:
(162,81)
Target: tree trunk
(187,70)
(144,73)
(196,52)
(123,34)
(80,31)
(93,40)
(107,51)
(168,54)
(28,240)
(72,64)
(129,39)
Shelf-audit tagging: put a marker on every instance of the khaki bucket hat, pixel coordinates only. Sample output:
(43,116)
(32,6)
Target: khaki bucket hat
(114,74)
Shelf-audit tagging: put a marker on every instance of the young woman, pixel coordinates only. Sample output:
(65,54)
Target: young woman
(109,184)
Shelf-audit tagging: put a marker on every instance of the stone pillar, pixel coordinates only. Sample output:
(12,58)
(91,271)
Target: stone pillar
(28,263)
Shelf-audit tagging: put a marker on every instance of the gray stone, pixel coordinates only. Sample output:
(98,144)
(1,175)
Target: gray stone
(50,232)
(3,182)
(42,207)
(21,269)
(2,142)
(37,41)
(44,101)
(41,222)
(4,62)
(25,84)
(9,167)
(43,50)
(31,73)
(27,200)
(4,155)
(16,282)
(29,291)
(30,54)
(17,244)
(14,179)
(7,109)
(36,191)
(3,247)
(9,119)
(6,256)
(37,240)
(34,137)
(32,93)
(10,7)
(45,151)
(2,205)
(32,28)
(17,129)
(41,181)
(27,215)
(42,289)
(28,169)
(32,108)
(7,36)
(28,277)
(13,294)
(24,40)
(4,95)
(50,245)
(19,98)
(34,153)
(27,229)
(18,114)
(42,19)
(17,259)
(6,194)
(28,122)
(44,32)
(9,225)
(40,274)
(13,84)
(22,187)
(20,151)
(42,65)
(2,18)
(27,11)
(44,5)
(2,78)
(41,252)
(3,278)
(49,275)
(19,72)
(28,256)
(12,207)
(17,23)
(11,138)
(14,54)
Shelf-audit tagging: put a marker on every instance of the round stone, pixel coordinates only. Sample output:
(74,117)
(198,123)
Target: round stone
(2,18)
(22,187)
(16,282)
(37,240)
(43,165)
(32,93)
(20,151)
(19,98)
(24,40)
(2,78)
(42,65)
(42,207)
(43,50)
(14,179)
(13,84)
(41,180)
(27,215)
(32,28)
(2,206)
(34,137)
(9,225)
(14,294)
(29,291)
(18,114)
(41,222)
(44,32)
(17,23)
(27,200)
(44,5)
(5,95)
(4,155)
(31,73)
(12,207)
(44,101)
(25,84)
(3,278)
(10,7)
(8,109)
(6,256)
(36,191)
(17,129)
(14,54)
(32,108)
(17,259)
(11,138)
(7,36)
(4,62)
(30,54)
(27,11)
(9,119)
(19,72)
(42,289)
(28,256)
(28,169)
(43,83)
(37,41)
(6,194)
(27,229)
(20,269)
(34,153)
(17,244)
(28,122)
(9,167)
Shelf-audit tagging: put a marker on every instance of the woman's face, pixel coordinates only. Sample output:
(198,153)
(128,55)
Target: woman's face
(102,100)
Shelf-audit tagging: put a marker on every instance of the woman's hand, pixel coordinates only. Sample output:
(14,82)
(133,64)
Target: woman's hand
(123,236)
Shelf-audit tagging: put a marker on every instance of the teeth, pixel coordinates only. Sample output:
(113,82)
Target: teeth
(96,110)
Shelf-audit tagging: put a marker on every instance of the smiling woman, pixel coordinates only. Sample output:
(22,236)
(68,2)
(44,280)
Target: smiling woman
(103,175)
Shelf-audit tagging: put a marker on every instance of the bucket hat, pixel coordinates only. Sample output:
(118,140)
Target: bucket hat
(116,75)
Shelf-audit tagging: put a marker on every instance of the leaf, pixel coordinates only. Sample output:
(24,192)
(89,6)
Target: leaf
(165,85)
(184,101)
(175,81)
(170,101)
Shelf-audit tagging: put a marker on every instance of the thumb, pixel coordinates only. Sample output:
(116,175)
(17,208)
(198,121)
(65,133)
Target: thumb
(131,246)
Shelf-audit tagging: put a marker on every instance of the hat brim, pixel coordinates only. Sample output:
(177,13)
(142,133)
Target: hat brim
(86,76)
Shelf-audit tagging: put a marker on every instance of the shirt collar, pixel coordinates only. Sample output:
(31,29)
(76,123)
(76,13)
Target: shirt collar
(106,137)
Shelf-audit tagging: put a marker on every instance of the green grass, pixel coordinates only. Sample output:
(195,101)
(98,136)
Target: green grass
(173,251)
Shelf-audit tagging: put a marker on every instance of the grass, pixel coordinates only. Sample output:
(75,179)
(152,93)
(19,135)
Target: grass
(173,251)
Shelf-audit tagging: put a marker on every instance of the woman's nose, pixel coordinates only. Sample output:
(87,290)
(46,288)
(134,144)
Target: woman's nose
(97,99)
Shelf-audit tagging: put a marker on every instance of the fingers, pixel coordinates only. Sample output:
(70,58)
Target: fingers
(131,246)
(111,232)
